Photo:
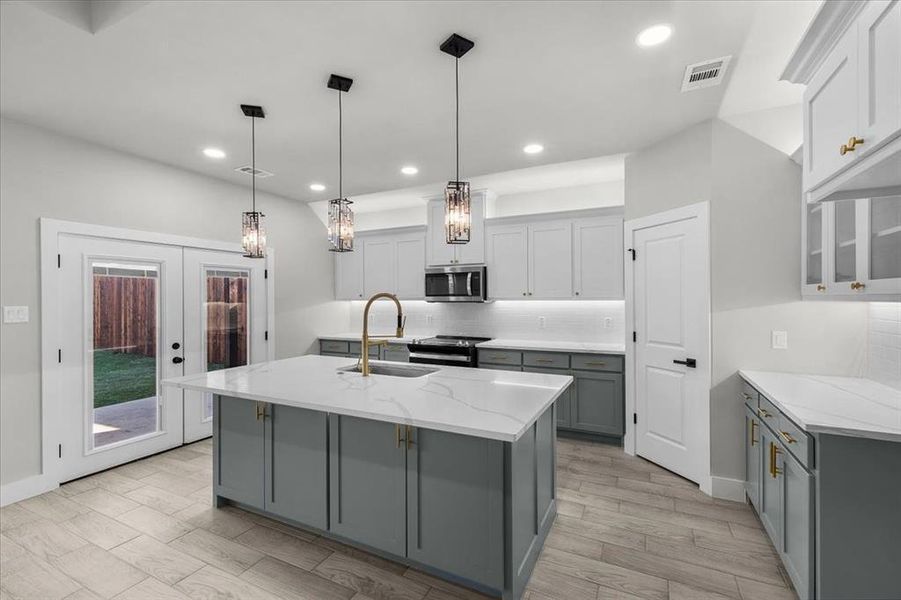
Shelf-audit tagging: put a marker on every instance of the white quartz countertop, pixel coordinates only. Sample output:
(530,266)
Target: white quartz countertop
(539,345)
(838,405)
(498,405)
(358,337)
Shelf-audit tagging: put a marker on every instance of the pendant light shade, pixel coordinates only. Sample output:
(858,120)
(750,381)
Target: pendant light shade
(340,214)
(253,234)
(457,206)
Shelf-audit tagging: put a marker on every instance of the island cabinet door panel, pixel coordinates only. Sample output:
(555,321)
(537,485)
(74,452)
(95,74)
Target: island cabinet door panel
(297,464)
(598,403)
(797,524)
(367,474)
(455,504)
(238,448)
(752,458)
(770,509)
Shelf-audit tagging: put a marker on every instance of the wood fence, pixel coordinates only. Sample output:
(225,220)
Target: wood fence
(125,317)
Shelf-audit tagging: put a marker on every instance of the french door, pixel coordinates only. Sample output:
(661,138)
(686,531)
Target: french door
(132,314)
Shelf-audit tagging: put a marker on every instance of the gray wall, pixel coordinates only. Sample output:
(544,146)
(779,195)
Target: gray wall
(755,206)
(47,175)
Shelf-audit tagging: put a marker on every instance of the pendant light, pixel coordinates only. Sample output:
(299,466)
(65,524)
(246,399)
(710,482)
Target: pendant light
(253,235)
(340,215)
(457,214)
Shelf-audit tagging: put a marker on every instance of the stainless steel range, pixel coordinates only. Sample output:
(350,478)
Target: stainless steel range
(449,350)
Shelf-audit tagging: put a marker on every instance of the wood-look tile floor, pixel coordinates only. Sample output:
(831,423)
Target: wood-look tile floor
(146,531)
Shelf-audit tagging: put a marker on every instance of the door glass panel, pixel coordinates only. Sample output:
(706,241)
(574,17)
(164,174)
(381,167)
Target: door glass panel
(885,237)
(126,309)
(814,244)
(845,241)
(226,323)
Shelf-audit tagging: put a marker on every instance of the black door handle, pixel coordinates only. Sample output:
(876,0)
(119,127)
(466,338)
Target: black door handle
(178,360)
(176,346)
(688,362)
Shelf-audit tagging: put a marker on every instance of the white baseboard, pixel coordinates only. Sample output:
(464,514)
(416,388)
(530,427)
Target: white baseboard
(26,488)
(727,489)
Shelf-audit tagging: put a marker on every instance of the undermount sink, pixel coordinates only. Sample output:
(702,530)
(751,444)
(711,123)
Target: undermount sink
(391,370)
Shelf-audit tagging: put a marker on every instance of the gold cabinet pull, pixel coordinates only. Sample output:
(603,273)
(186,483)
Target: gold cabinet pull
(260,411)
(852,144)
(746,396)
(821,287)
(858,285)
(410,441)
(762,412)
(752,425)
(598,363)
(397,436)
(498,357)
(774,451)
(787,437)
(543,360)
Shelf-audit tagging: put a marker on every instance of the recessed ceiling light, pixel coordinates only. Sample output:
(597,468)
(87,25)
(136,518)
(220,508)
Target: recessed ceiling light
(533,148)
(317,187)
(213,153)
(656,34)
(409,170)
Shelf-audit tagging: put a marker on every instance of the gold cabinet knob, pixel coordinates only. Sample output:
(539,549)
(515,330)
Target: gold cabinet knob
(858,285)
(853,142)
(821,287)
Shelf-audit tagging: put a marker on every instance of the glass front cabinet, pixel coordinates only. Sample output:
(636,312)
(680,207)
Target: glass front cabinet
(852,249)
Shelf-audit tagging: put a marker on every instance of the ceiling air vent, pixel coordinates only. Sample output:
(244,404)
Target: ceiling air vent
(249,170)
(705,74)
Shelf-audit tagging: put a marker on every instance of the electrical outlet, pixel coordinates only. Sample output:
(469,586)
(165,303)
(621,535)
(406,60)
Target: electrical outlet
(15,314)
(608,322)
(541,322)
(780,340)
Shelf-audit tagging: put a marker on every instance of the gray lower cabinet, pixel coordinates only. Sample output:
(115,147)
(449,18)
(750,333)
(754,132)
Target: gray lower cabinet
(396,353)
(597,403)
(564,402)
(753,464)
(238,458)
(770,509)
(455,504)
(367,468)
(796,548)
(296,463)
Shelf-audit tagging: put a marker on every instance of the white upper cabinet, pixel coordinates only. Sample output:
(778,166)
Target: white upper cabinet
(379,268)
(349,275)
(439,252)
(507,261)
(551,259)
(410,259)
(555,256)
(598,258)
(881,227)
(850,60)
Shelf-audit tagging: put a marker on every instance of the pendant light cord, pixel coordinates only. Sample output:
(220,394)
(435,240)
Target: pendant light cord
(457,98)
(340,149)
(253,162)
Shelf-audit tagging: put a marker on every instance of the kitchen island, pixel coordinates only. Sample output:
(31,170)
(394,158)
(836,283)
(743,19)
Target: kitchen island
(447,469)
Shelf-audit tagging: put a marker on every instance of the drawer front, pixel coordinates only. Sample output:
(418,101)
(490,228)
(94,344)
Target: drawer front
(354,348)
(795,440)
(768,413)
(749,395)
(545,360)
(333,346)
(597,362)
(500,357)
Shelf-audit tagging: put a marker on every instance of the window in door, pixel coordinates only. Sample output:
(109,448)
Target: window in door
(226,323)
(125,349)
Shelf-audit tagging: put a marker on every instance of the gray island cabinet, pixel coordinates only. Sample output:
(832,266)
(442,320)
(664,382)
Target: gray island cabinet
(471,506)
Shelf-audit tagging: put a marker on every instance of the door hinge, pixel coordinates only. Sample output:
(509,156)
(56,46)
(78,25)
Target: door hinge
(60,451)
(634,336)
(633,251)
(635,418)
(59,355)
(265,273)
(59,261)
(266,335)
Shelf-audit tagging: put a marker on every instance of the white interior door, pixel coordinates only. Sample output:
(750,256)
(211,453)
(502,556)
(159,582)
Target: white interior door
(225,323)
(120,320)
(672,366)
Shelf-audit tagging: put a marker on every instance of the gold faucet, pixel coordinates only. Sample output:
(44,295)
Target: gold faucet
(364,358)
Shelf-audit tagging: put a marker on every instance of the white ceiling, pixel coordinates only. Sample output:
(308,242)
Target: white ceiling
(165,81)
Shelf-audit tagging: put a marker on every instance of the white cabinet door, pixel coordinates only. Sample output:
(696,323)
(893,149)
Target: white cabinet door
(379,265)
(598,258)
(349,274)
(830,112)
(507,247)
(882,249)
(551,260)
(813,241)
(438,252)
(410,260)
(879,57)
(473,253)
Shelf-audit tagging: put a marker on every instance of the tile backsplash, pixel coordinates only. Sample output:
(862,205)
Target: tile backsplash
(884,343)
(578,321)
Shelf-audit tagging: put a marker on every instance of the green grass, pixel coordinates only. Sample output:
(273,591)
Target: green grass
(120,377)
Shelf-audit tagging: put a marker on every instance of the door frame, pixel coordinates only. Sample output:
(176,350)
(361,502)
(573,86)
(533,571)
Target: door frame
(701,211)
(50,230)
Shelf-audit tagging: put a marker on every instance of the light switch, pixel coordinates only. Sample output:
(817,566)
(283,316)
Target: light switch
(780,340)
(15,314)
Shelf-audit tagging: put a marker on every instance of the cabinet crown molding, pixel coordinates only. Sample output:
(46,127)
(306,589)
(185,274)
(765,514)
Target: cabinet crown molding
(824,31)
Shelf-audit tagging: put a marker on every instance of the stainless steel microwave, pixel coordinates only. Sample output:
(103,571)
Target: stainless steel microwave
(456,284)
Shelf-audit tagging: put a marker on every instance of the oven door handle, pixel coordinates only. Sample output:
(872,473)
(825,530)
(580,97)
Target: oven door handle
(435,356)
